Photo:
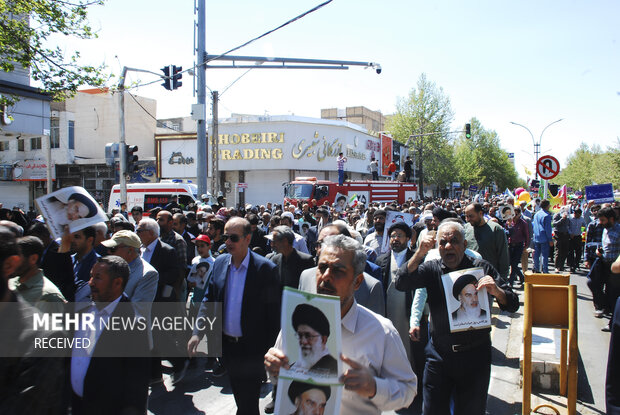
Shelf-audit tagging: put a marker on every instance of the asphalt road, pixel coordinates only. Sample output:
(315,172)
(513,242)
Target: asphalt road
(202,393)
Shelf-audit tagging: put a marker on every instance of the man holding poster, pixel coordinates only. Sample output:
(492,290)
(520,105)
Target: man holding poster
(453,355)
(377,375)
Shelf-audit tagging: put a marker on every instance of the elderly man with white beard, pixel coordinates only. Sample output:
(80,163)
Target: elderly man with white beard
(312,329)
(465,290)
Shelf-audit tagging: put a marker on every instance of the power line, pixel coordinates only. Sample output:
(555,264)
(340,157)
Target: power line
(273,30)
(242,45)
(159,123)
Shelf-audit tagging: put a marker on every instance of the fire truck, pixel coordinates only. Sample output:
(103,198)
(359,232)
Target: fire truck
(304,189)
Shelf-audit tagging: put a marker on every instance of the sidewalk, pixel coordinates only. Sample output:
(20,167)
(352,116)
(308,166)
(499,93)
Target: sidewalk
(505,393)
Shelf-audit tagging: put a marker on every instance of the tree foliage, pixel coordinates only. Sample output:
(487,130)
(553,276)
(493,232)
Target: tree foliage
(481,161)
(25,30)
(589,165)
(426,110)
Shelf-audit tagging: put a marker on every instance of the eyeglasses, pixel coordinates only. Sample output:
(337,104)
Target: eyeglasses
(234,238)
(113,249)
(318,244)
(141,230)
(306,336)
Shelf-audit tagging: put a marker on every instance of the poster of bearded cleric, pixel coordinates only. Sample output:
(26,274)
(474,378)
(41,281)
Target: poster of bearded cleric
(311,336)
(71,207)
(294,397)
(468,307)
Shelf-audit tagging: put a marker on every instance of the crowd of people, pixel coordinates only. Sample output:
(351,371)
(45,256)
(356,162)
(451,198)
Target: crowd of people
(243,258)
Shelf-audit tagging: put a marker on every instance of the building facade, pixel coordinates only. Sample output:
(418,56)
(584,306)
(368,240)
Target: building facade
(257,154)
(369,119)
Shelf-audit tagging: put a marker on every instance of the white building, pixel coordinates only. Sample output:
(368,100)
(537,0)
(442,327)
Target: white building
(263,152)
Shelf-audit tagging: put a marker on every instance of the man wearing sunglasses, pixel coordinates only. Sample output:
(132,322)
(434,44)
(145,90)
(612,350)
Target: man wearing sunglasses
(246,285)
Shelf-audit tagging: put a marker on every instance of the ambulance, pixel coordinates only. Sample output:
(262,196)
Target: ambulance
(150,195)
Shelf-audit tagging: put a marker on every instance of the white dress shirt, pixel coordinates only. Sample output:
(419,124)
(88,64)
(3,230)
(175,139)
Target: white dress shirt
(80,357)
(147,251)
(372,341)
(235,285)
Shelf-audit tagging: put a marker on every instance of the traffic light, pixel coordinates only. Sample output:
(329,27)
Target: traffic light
(166,84)
(468,131)
(111,153)
(176,76)
(131,159)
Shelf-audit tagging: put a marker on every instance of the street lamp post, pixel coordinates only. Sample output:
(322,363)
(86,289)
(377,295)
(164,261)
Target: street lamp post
(536,145)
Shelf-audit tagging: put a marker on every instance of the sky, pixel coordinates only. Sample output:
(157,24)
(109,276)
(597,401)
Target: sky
(528,62)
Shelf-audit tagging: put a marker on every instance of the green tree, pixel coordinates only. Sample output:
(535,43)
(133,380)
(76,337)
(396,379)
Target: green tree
(426,110)
(481,160)
(26,27)
(589,165)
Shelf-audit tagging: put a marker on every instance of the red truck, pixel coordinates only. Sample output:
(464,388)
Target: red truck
(303,189)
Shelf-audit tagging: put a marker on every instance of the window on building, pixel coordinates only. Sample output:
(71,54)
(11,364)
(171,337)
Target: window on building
(35,143)
(4,146)
(71,135)
(20,144)
(55,133)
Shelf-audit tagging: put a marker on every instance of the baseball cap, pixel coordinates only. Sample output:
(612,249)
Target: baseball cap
(123,237)
(202,237)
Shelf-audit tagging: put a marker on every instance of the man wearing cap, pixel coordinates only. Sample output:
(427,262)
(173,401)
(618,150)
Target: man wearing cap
(453,356)
(466,292)
(308,398)
(312,329)
(143,278)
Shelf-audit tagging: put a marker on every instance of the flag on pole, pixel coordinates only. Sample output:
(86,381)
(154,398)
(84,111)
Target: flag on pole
(353,201)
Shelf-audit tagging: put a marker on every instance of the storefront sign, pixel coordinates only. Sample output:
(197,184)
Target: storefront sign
(32,170)
(293,143)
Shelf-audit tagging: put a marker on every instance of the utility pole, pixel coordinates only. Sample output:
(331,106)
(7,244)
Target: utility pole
(214,146)
(421,173)
(122,153)
(202,162)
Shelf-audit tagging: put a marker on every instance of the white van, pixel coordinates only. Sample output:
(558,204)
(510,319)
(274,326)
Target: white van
(150,195)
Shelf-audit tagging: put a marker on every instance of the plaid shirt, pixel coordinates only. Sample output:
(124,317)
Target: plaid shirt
(611,243)
(180,247)
(341,161)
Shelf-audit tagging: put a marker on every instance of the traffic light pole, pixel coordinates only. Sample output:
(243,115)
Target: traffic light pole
(122,150)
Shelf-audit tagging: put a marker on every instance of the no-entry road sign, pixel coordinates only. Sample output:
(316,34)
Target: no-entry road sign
(547,167)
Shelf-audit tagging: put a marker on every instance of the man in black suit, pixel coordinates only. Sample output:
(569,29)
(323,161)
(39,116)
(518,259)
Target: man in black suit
(84,258)
(164,259)
(114,378)
(289,262)
(246,285)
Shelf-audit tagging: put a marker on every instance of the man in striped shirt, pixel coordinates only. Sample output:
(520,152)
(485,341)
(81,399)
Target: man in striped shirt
(341,160)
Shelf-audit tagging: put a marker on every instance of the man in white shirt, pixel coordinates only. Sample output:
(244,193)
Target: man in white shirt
(377,375)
